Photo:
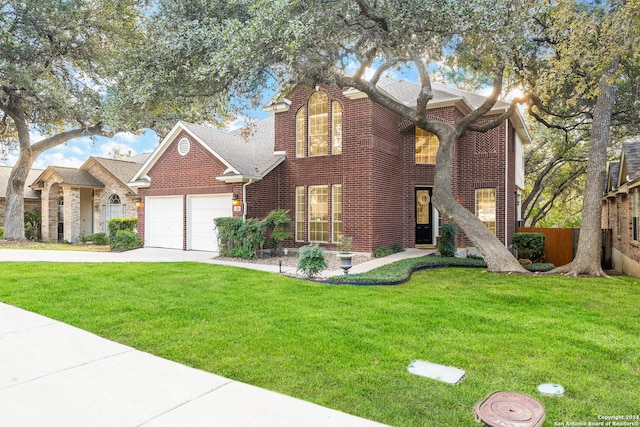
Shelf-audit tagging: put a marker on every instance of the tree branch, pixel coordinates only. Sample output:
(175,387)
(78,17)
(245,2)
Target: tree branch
(55,140)
(369,12)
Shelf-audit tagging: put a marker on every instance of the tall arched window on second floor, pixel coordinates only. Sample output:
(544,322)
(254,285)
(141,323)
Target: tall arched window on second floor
(301,134)
(318,124)
(426,147)
(336,128)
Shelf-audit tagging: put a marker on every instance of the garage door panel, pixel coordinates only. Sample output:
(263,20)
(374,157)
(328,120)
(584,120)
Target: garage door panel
(164,222)
(201,211)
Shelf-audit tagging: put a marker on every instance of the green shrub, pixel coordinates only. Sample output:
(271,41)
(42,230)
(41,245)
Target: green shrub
(99,238)
(239,239)
(278,225)
(125,239)
(384,251)
(447,240)
(32,223)
(122,224)
(344,245)
(529,245)
(1,233)
(252,239)
(311,260)
(229,236)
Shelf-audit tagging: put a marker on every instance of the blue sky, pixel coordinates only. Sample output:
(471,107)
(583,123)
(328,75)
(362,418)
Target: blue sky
(75,152)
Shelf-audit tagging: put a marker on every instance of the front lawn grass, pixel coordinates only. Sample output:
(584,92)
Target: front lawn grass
(348,347)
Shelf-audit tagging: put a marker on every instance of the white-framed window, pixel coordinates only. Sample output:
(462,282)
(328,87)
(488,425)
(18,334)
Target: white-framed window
(319,213)
(336,128)
(319,127)
(113,209)
(486,207)
(318,124)
(426,147)
(301,132)
(300,214)
(336,212)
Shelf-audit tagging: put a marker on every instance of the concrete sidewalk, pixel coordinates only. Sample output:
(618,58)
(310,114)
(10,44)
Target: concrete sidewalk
(52,374)
(177,255)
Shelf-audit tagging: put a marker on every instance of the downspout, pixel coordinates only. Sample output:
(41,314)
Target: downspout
(506,183)
(244,199)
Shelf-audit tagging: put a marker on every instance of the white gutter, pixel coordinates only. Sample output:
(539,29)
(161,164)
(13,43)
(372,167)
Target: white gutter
(506,182)
(244,199)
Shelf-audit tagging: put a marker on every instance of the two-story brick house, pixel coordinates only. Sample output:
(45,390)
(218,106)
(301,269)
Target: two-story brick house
(341,164)
(621,209)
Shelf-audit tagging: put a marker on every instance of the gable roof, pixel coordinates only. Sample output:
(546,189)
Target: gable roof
(121,169)
(67,176)
(611,180)
(5,172)
(249,159)
(406,93)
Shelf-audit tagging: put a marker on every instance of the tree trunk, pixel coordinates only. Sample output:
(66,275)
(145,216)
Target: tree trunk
(495,254)
(589,253)
(14,209)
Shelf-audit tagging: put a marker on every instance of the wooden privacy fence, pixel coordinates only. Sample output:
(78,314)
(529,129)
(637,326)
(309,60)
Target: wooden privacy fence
(559,243)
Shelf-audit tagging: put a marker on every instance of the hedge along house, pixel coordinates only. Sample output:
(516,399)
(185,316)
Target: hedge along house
(81,201)
(621,209)
(341,164)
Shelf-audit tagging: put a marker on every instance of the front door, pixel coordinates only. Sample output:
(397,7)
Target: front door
(424,218)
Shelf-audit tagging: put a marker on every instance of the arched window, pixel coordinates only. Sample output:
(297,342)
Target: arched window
(426,147)
(301,134)
(318,124)
(60,209)
(336,128)
(114,208)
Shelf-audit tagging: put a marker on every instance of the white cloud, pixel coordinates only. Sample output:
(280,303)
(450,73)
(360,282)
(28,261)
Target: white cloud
(56,158)
(106,148)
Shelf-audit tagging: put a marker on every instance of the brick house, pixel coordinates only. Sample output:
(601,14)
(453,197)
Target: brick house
(340,163)
(621,209)
(79,202)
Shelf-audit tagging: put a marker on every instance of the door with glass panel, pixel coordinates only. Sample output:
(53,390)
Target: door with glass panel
(424,217)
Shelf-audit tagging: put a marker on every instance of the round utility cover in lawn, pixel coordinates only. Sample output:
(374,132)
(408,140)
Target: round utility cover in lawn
(510,409)
(551,389)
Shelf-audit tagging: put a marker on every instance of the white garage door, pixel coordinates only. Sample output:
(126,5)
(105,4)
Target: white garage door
(201,210)
(163,222)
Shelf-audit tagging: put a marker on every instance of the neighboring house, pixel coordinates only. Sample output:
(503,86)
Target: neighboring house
(78,202)
(621,209)
(341,164)
(31,197)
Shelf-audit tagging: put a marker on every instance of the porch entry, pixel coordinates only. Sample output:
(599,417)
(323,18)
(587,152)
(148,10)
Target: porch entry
(424,216)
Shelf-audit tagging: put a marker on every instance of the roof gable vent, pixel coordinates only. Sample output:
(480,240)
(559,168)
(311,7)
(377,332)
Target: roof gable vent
(183,146)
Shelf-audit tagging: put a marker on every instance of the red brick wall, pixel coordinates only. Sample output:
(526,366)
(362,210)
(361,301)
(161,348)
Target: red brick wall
(195,173)
(622,225)
(379,175)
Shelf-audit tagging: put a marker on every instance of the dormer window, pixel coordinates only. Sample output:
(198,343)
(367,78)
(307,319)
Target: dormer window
(313,124)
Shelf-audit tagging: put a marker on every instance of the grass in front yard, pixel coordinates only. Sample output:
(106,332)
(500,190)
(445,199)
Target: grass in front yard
(348,347)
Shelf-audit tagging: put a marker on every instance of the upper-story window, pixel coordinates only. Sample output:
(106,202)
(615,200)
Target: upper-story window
(336,128)
(313,135)
(318,124)
(426,147)
(301,134)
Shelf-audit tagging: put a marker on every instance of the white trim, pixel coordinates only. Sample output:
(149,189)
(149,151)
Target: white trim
(164,145)
(506,183)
